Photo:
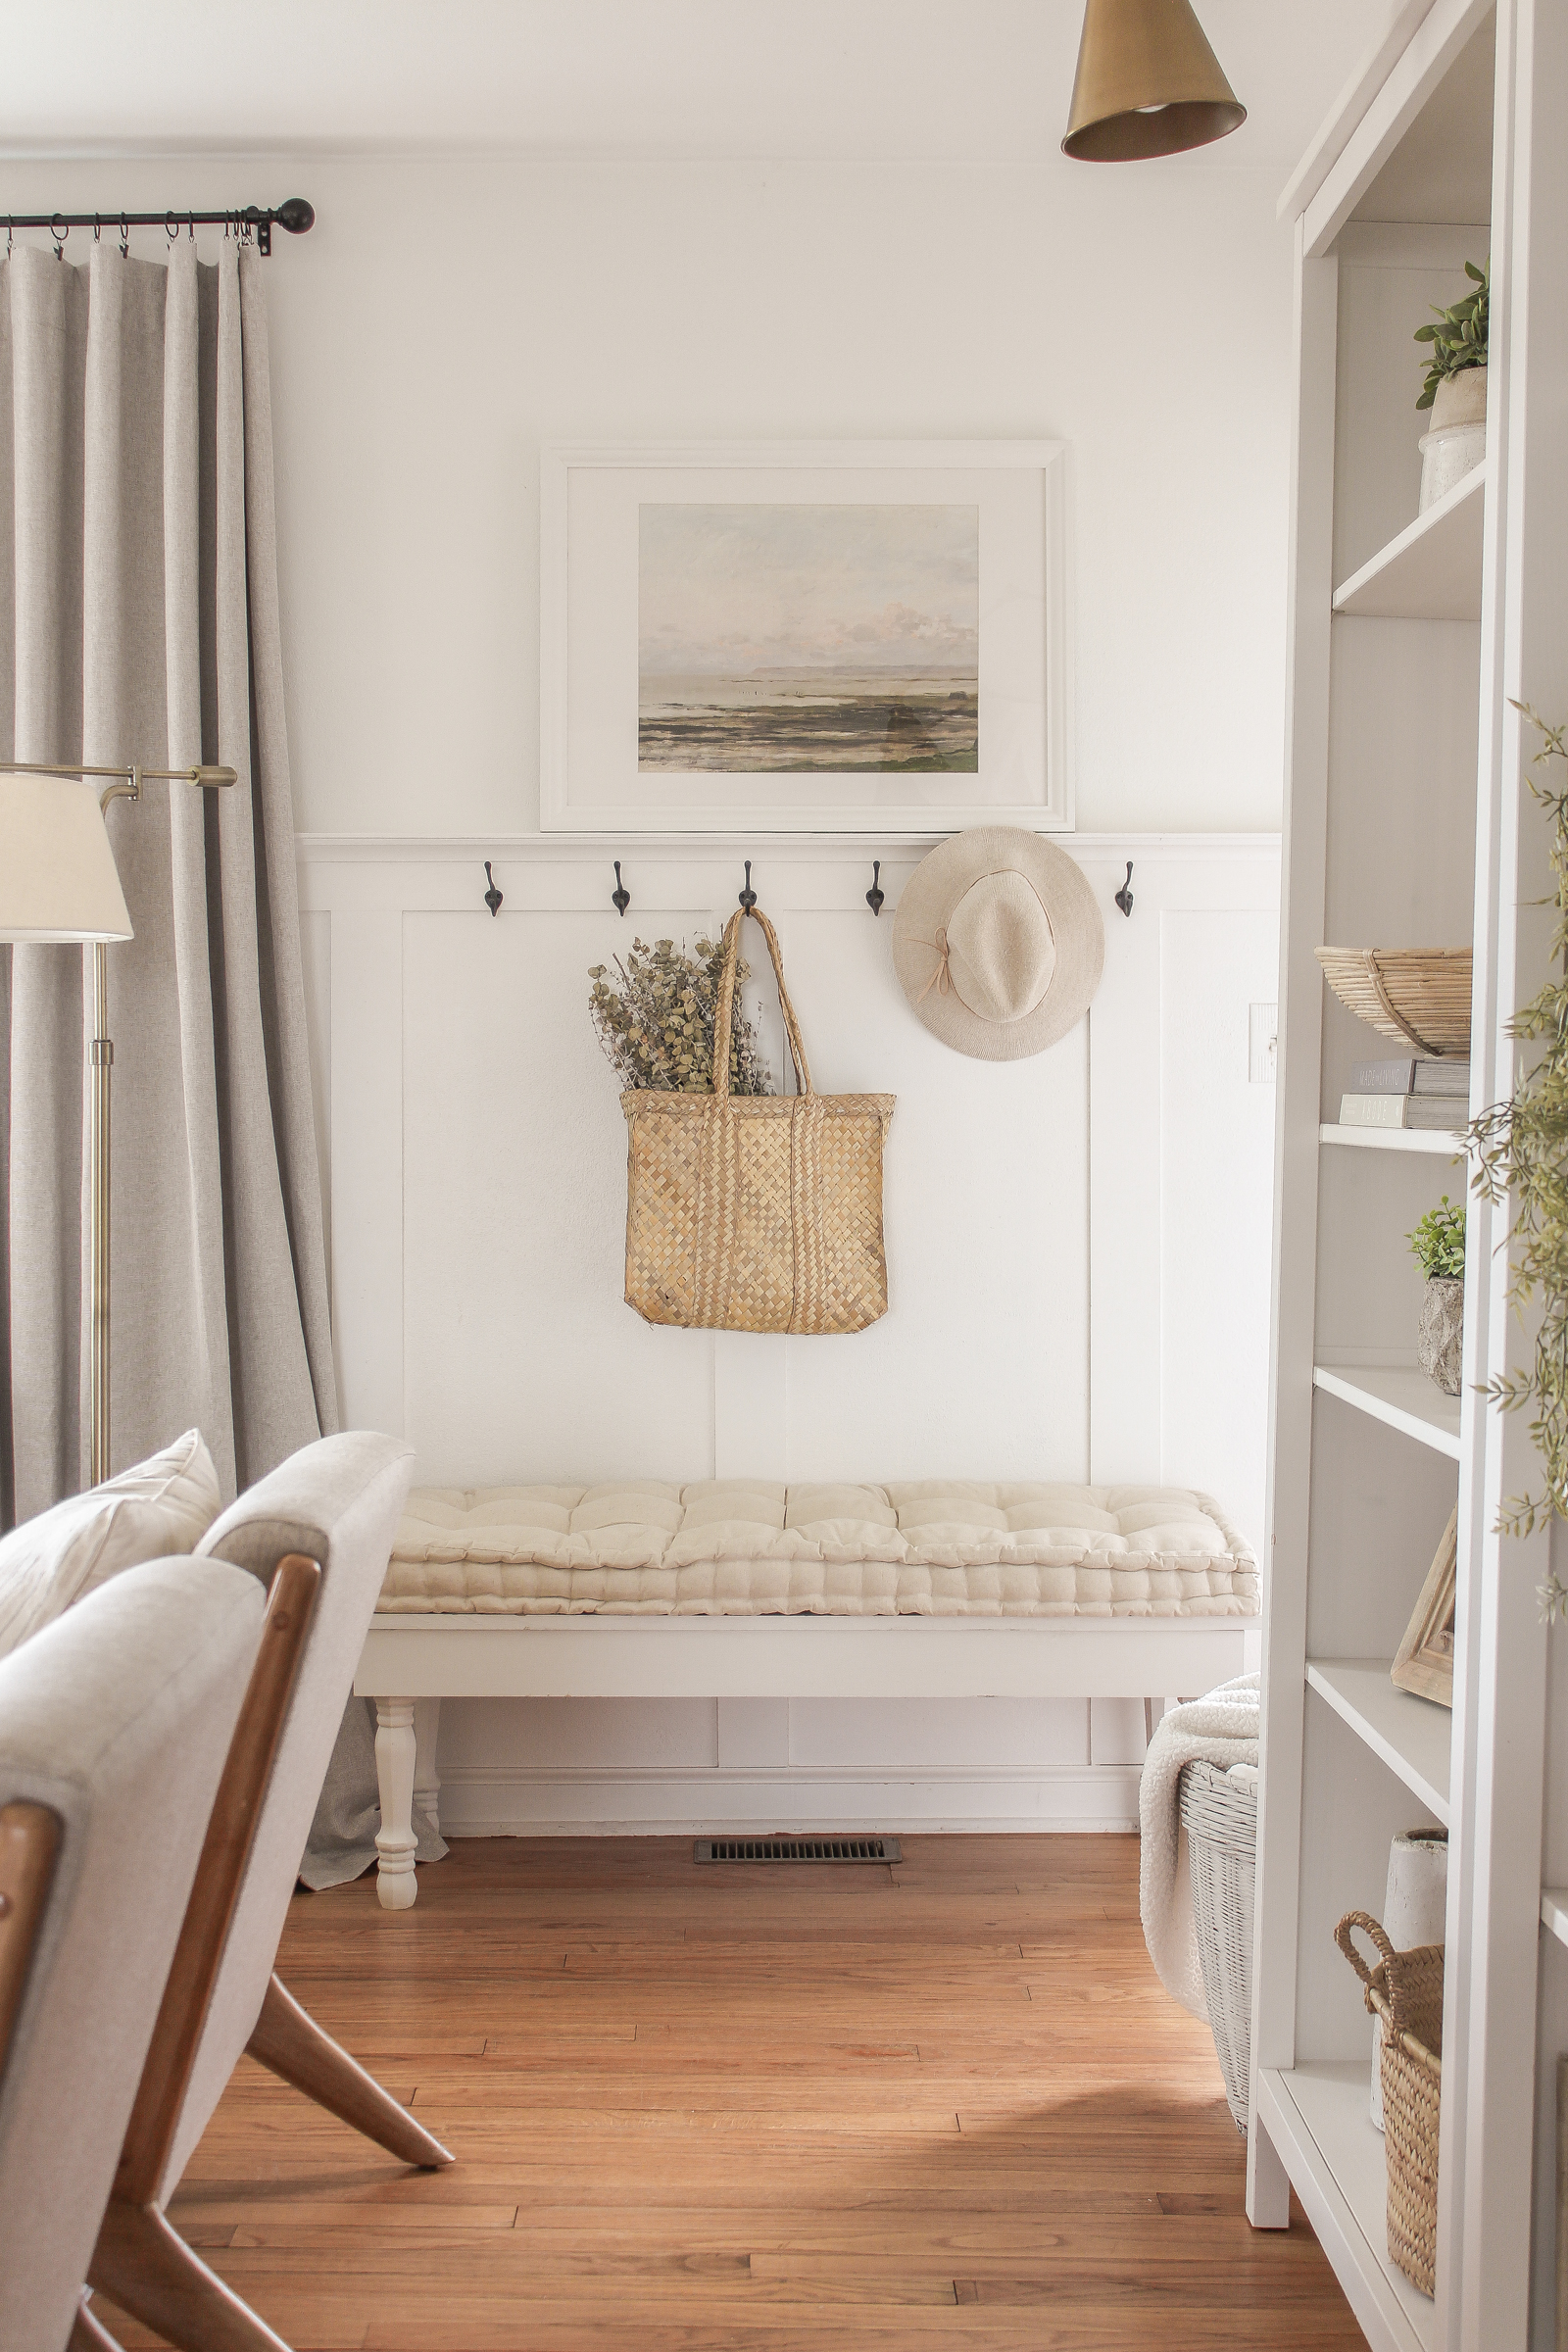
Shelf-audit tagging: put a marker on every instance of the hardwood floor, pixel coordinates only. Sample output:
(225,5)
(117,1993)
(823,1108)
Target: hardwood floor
(718,2108)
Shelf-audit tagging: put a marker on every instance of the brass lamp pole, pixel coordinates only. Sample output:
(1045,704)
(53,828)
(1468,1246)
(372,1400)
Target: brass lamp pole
(123,784)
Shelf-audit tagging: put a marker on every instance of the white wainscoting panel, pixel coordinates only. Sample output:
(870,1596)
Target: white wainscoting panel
(1077,1250)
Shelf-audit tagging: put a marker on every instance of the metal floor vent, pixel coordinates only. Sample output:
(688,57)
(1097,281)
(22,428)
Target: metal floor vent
(797,1849)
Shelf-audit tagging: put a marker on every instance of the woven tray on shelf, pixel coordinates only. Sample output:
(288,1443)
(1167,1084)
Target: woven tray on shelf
(1420,996)
(1221,1817)
(1406,1991)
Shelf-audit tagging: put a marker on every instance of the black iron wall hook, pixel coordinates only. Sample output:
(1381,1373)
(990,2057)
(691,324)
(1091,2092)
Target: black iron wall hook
(1124,895)
(748,897)
(876,896)
(492,896)
(621,895)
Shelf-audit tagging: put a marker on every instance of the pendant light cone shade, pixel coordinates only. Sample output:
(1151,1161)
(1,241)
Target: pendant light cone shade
(58,878)
(1148,83)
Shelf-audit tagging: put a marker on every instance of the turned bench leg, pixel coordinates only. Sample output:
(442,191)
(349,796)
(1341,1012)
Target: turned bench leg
(427,1779)
(395,1762)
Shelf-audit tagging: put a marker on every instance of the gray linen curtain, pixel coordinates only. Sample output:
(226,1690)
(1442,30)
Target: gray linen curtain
(138,621)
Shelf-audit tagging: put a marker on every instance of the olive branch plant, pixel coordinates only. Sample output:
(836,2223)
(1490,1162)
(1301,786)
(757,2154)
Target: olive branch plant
(1521,1149)
(655,1013)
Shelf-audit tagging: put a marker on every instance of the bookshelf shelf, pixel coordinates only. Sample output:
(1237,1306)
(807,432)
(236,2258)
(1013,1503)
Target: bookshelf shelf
(1432,570)
(1412,1736)
(1437,1142)
(1399,1395)
(1316,2115)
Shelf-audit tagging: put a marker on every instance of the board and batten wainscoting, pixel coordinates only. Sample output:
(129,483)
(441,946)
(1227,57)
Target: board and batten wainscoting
(1078,1254)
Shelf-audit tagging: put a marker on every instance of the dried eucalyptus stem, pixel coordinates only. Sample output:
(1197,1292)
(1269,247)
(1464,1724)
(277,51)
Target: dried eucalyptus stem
(657,1025)
(1522,1150)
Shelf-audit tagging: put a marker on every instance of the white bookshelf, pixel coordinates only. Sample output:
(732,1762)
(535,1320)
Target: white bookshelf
(1408,823)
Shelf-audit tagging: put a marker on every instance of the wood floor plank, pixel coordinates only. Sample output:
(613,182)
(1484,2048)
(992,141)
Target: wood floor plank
(716,2109)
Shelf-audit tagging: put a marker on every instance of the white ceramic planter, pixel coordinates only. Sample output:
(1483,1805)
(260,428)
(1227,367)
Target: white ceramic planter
(1455,438)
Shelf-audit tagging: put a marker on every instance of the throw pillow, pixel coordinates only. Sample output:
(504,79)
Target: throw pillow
(159,1511)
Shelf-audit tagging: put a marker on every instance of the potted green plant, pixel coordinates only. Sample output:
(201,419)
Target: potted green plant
(1438,1243)
(1456,389)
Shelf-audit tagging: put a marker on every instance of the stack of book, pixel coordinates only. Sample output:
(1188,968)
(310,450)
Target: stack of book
(1409,1094)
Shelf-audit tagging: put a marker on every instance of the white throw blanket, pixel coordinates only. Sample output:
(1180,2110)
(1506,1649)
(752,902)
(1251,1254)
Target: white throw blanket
(1222,1729)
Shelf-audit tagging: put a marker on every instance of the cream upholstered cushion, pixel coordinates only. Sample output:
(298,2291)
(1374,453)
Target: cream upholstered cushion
(750,1547)
(161,1509)
(337,1501)
(117,1717)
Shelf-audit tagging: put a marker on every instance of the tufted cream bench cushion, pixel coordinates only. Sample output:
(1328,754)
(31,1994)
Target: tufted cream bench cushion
(930,1547)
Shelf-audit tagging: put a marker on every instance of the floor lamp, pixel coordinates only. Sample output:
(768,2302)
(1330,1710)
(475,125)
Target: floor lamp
(58,881)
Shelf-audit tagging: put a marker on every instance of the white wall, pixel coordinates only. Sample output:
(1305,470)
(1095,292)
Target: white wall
(1077,1252)
(447,315)
(443,318)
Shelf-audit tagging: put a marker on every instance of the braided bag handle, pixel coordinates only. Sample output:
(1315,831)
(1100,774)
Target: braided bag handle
(723,1025)
(1406,1988)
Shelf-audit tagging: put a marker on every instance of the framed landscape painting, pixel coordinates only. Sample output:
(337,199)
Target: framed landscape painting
(803,638)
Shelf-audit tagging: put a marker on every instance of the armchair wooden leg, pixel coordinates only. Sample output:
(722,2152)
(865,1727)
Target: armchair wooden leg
(288,2039)
(396,1843)
(145,2265)
(88,2332)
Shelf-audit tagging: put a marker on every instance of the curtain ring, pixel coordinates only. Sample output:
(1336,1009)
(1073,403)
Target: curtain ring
(124,238)
(97,228)
(9,232)
(59,235)
(190,226)
(171,229)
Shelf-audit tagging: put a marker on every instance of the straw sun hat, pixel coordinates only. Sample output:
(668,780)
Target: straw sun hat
(997,943)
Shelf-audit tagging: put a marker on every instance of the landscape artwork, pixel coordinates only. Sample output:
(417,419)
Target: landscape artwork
(793,638)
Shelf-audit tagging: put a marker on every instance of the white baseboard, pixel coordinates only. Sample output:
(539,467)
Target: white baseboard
(524,1801)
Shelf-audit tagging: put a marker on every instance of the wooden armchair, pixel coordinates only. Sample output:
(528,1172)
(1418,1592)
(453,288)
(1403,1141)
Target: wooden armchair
(318,1534)
(115,1723)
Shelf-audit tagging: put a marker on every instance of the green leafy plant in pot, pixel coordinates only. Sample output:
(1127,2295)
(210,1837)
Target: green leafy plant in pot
(1456,388)
(1438,1243)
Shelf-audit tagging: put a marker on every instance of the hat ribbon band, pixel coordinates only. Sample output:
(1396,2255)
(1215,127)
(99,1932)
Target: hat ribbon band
(942,978)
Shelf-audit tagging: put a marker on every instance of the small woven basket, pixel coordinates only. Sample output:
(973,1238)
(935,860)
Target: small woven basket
(1420,996)
(1406,1991)
(1220,1818)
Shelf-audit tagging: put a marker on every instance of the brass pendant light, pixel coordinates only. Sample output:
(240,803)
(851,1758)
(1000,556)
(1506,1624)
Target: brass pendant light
(1148,83)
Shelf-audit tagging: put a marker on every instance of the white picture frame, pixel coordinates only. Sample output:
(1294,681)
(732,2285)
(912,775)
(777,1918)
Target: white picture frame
(592,777)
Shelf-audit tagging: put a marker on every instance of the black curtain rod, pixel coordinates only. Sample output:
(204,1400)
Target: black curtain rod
(293,214)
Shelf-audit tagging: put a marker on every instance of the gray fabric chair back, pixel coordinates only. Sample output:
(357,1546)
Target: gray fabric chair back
(339,1503)
(118,1718)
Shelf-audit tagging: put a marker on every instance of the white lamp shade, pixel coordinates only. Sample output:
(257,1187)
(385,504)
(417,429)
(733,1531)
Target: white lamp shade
(58,878)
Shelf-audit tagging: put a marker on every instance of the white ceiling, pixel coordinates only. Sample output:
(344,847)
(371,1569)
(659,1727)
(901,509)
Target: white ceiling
(944,80)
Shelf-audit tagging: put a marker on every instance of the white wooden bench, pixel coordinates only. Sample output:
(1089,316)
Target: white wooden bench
(412,1659)
(749,1590)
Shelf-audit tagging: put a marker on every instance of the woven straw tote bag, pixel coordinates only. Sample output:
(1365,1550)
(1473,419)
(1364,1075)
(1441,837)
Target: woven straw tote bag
(756,1212)
(1406,1991)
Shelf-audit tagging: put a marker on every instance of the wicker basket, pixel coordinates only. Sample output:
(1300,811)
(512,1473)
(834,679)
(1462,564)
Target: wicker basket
(1406,1991)
(1420,996)
(1220,1818)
